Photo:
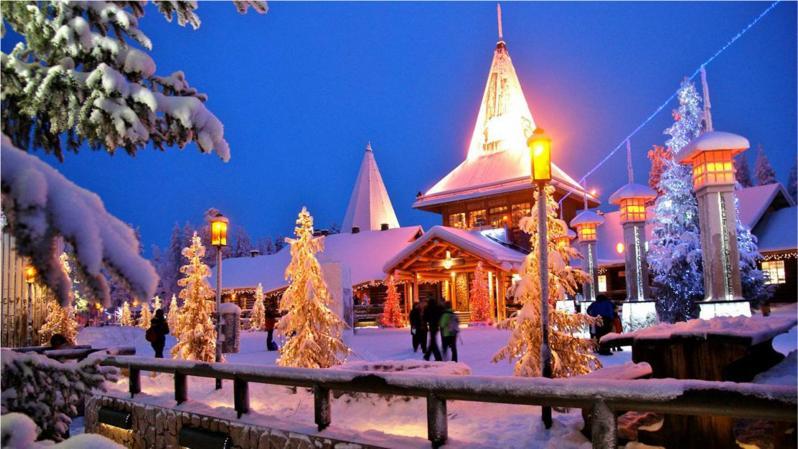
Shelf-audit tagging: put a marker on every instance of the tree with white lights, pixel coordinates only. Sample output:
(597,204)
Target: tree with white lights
(478,296)
(60,320)
(125,317)
(312,331)
(173,316)
(258,317)
(392,315)
(195,331)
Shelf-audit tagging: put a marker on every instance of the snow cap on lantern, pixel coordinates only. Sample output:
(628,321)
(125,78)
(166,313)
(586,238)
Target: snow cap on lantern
(586,223)
(632,199)
(711,155)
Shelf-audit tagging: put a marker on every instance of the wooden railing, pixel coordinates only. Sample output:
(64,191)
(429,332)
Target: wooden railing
(604,398)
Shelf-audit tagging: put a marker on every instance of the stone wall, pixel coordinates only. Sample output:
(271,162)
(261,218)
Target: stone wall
(159,427)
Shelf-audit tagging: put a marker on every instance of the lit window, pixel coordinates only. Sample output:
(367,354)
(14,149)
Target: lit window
(498,217)
(520,211)
(477,218)
(602,283)
(587,232)
(713,167)
(773,271)
(457,220)
(633,209)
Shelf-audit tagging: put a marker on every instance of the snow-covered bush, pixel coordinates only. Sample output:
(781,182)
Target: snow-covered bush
(47,390)
(18,431)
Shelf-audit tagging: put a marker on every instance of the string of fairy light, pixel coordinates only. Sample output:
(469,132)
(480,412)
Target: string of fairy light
(665,104)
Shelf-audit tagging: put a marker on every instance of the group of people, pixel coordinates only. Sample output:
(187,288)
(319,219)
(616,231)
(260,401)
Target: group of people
(427,318)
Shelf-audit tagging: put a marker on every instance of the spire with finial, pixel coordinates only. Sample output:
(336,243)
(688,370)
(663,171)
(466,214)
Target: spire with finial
(499,17)
(629,169)
(707,104)
(368,146)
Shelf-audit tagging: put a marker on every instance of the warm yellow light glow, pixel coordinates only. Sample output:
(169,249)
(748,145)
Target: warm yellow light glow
(713,168)
(30,274)
(633,209)
(540,154)
(219,230)
(516,277)
(593,192)
(448,262)
(619,248)
(586,232)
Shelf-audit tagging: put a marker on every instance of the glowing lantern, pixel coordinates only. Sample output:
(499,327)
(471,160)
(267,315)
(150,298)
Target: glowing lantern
(619,247)
(219,230)
(30,274)
(712,155)
(586,223)
(448,262)
(632,199)
(540,154)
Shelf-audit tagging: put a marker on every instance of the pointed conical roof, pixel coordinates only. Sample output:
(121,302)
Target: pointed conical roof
(369,206)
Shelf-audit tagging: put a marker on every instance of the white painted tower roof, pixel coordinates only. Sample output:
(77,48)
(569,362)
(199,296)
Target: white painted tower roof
(369,206)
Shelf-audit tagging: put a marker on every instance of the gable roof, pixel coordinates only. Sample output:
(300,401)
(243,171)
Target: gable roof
(754,201)
(369,206)
(778,230)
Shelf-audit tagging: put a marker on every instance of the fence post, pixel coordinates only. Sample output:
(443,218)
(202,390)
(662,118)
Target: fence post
(322,407)
(181,387)
(241,396)
(603,427)
(134,381)
(437,426)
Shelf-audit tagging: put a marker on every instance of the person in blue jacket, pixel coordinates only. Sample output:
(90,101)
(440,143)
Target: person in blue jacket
(603,308)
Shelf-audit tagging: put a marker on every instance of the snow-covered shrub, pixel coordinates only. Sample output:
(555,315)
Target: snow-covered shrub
(47,390)
(17,431)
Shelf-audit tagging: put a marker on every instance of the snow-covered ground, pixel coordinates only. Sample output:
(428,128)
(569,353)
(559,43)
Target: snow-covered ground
(395,423)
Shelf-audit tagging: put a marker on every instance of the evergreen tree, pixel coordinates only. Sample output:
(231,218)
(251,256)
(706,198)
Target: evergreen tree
(173,316)
(751,277)
(478,296)
(242,244)
(125,317)
(312,331)
(659,156)
(145,316)
(392,315)
(570,354)
(792,183)
(60,320)
(257,319)
(195,331)
(156,304)
(764,171)
(741,171)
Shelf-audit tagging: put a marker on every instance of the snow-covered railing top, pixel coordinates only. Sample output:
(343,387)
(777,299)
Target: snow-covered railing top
(756,328)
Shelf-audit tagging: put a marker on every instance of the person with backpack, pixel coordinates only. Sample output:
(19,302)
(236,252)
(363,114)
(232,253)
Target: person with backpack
(450,327)
(603,308)
(432,318)
(418,328)
(157,332)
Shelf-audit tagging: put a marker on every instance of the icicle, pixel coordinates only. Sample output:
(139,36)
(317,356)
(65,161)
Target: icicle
(707,105)
(629,169)
(499,16)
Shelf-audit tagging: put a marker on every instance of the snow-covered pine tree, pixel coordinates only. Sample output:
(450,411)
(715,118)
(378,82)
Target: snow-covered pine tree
(242,244)
(392,315)
(173,316)
(312,331)
(145,316)
(156,304)
(125,317)
(741,171)
(659,156)
(195,331)
(570,354)
(764,171)
(82,78)
(792,183)
(674,254)
(478,296)
(258,316)
(60,320)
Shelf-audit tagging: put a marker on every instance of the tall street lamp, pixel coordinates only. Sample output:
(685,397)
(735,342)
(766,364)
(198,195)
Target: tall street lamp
(540,155)
(219,240)
(30,278)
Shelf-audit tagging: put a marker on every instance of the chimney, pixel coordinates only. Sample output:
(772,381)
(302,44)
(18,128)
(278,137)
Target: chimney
(384,227)
(254,252)
(355,229)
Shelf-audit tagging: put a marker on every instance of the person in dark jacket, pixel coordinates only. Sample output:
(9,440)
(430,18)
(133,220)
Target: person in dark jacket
(603,308)
(432,318)
(268,324)
(450,327)
(160,329)
(418,328)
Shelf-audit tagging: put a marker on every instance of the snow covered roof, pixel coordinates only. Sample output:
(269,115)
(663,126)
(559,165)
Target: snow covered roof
(778,230)
(363,253)
(369,206)
(713,140)
(754,201)
(498,158)
(472,241)
(632,190)
(758,328)
(587,217)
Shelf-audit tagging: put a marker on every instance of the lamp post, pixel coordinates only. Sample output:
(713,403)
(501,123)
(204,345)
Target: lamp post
(219,240)
(540,156)
(30,278)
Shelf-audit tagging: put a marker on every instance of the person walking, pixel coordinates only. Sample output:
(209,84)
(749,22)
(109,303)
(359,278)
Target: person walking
(268,324)
(602,308)
(450,327)
(157,332)
(432,318)
(418,328)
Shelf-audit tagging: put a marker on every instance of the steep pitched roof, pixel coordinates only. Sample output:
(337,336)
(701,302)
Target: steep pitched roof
(369,206)
(754,201)
(498,158)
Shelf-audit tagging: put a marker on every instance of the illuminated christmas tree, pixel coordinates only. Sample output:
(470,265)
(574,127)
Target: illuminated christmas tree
(258,317)
(172,316)
(392,315)
(60,320)
(195,331)
(156,303)
(125,317)
(145,316)
(570,354)
(480,301)
(312,331)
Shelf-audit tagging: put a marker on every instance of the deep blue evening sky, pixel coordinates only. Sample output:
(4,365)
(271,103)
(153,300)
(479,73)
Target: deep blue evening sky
(303,88)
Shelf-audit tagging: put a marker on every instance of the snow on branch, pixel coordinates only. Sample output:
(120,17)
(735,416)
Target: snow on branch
(41,206)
